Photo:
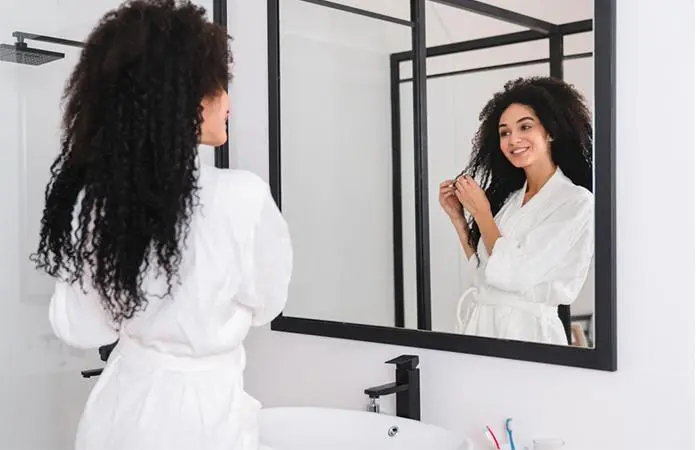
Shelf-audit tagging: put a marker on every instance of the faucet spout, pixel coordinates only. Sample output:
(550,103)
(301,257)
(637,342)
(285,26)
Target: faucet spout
(406,387)
(373,405)
(385,389)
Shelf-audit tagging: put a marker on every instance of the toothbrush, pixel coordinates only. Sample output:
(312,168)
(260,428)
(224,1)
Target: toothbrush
(491,437)
(509,430)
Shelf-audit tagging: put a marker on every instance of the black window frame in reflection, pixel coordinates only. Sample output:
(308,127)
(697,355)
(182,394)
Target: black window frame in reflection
(604,355)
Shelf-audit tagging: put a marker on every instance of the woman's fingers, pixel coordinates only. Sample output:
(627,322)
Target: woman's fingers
(466,185)
(463,195)
(461,185)
(446,188)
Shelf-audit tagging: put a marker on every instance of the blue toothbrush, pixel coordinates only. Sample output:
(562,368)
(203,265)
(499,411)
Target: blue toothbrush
(509,430)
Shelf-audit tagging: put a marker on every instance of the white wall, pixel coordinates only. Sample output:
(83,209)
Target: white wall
(41,391)
(647,403)
(336,122)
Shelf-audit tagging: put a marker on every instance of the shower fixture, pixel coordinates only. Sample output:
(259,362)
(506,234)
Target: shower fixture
(21,53)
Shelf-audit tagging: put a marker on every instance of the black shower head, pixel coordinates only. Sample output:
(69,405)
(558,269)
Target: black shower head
(22,54)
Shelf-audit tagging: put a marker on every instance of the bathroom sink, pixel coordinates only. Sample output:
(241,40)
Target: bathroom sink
(315,428)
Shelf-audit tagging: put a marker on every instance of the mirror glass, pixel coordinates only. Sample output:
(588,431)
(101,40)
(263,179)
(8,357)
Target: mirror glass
(336,128)
(511,245)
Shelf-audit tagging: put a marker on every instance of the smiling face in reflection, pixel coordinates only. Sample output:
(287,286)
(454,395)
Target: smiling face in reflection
(524,141)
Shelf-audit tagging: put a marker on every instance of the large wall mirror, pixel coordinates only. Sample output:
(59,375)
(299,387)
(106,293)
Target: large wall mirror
(429,212)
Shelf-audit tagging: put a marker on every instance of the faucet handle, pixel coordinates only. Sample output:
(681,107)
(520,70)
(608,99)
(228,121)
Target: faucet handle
(405,362)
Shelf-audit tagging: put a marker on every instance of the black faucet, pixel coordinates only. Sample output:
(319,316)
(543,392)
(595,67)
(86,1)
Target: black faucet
(406,387)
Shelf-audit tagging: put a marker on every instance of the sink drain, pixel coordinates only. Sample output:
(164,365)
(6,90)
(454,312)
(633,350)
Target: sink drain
(393,431)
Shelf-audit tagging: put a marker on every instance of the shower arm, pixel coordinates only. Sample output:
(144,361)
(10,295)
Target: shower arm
(21,36)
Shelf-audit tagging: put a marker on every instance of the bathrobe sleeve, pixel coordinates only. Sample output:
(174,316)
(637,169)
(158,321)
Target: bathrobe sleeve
(268,259)
(78,317)
(560,247)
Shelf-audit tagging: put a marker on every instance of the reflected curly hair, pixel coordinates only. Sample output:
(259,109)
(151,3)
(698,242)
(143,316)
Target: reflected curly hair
(564,115)
(131,129)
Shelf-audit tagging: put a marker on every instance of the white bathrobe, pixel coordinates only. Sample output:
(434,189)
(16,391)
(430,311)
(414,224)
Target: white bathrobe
(540,261)
(174,381)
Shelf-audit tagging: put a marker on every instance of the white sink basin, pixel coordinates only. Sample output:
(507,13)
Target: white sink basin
(312,428)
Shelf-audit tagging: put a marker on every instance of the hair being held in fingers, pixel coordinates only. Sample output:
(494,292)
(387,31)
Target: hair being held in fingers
(449,201)
(560,110)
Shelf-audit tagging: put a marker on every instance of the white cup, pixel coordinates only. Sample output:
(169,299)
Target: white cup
(548,444)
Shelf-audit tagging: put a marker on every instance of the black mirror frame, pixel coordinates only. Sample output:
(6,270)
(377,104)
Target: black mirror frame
(604,355)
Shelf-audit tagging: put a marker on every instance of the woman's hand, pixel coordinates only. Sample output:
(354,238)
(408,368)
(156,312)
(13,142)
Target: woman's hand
(473,198)
(453,207)
(449,201)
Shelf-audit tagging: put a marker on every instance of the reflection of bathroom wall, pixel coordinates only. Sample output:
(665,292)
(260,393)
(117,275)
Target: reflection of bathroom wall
(454,103)
(41,388)
(336,163)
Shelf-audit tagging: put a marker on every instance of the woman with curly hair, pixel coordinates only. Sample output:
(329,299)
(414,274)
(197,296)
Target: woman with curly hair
(529,239)
(174,259)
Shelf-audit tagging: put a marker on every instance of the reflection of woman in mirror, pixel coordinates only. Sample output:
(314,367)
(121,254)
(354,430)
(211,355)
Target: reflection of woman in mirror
(529,239)
(173,258)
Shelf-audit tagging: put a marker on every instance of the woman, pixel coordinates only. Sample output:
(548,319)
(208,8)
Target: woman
(175,259)
(529,240)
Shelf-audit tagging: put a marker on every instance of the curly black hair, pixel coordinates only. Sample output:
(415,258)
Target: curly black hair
(128,158)
(564,115)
